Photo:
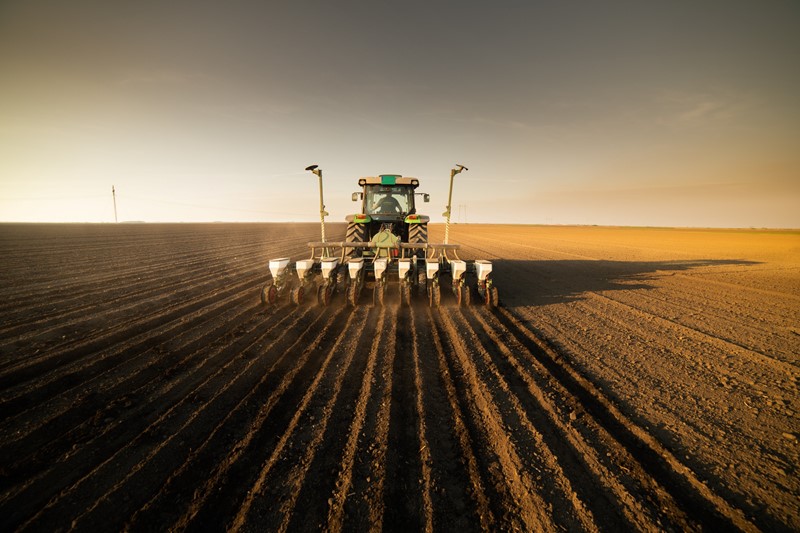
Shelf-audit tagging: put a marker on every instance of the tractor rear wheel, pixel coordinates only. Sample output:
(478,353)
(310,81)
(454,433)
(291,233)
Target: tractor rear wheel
(355,233)
(418,234)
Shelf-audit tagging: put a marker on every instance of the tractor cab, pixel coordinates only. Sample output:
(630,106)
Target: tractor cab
(388,197)
(393,200)
(387,206)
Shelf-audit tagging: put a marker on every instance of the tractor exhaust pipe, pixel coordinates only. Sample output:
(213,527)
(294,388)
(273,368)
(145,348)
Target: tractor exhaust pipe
(446,214)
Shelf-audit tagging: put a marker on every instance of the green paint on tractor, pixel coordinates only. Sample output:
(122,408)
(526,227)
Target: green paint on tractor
(389,179)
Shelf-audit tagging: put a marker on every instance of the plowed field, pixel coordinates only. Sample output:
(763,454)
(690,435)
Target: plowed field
(632,379)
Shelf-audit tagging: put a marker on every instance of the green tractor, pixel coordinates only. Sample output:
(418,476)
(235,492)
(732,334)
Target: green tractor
(387,242)
(388,215)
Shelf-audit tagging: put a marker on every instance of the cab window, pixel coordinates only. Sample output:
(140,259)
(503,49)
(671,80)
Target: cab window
(383,200)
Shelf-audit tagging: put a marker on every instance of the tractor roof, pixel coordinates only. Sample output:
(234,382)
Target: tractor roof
(389,179)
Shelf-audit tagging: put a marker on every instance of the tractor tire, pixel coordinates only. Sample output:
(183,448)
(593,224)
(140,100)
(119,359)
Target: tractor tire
(418,234)
(355,233)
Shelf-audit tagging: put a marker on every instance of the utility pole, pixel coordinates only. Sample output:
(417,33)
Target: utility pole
(114,196)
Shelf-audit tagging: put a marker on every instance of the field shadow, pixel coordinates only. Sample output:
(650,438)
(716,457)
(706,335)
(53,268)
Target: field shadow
(535,283)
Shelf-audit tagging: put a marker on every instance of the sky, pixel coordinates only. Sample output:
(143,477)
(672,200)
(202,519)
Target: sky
(678,113)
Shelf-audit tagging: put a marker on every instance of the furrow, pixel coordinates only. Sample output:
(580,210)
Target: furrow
(662,467)
(446,466)
(60,338)
(422,430)
(344,479)
(130,329)
(520,506)
(114,300)
(404,497)
(35,407)
(707,374)
(228,413)
(106,268)
(313,490)
(477,489)
(119,447)
(359,317)
(208,466)
(711,336)
(66,421)
(588,462)
(364,506)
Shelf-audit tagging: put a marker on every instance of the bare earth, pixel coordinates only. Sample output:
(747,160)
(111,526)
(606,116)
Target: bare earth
(632,379)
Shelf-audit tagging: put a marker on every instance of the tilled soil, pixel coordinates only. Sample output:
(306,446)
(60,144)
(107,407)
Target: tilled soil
(632,379)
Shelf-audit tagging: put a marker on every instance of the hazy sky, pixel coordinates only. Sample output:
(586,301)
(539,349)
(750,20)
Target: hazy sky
(633,113)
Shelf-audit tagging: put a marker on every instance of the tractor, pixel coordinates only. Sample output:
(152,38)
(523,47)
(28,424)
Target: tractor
(388,214)
(387,243)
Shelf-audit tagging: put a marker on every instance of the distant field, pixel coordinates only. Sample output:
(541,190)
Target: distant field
(631,379)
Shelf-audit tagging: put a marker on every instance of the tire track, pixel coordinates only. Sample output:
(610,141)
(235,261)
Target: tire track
(711,335)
